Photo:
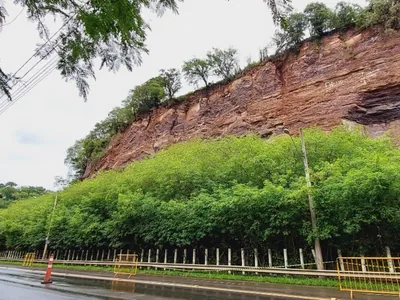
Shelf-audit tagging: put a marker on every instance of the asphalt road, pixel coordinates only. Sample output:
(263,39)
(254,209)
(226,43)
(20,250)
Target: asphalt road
(17,284)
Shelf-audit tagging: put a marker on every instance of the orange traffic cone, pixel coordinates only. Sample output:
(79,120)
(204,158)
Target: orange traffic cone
(47,276)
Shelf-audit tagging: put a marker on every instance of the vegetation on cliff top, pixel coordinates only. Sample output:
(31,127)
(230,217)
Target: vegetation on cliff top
(316,20)
(237,192)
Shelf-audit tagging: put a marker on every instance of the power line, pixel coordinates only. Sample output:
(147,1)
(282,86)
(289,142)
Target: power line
(25,85)
(38,76)
(33,84)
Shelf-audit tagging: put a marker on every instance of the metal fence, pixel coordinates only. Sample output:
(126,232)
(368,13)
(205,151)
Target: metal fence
(371,275)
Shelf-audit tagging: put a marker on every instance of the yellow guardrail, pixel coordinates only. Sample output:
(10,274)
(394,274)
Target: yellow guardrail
(28,259)
(126,264)
(370,275)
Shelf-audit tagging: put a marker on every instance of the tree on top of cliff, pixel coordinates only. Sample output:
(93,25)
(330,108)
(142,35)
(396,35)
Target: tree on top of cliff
(345,15)
(172,81)
(291,33)
(224,63)
(319,17)
(196,70)
(381,12)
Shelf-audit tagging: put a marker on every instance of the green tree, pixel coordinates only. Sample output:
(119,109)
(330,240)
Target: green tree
(234,191)
(172,81)
(291,33)
(345,15)
(319,17)
(76,159)
(196,70)
(381,12)
(224,63)
(263,54)
(112,31)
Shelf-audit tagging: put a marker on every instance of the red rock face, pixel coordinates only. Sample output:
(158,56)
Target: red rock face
(352,78)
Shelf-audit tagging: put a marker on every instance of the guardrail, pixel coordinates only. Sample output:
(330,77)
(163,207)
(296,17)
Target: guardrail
(197,267)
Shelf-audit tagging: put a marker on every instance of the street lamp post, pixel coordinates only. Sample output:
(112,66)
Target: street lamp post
(317,245)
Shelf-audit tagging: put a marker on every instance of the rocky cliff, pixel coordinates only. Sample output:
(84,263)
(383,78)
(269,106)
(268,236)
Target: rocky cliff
(352,77)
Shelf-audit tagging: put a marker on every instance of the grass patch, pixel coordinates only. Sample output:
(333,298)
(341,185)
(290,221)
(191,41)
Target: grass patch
(280,279)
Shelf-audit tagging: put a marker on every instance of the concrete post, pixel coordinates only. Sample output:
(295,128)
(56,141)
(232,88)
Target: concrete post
(270,258)
(363,267)
(390,261)
(149,259)
(256,259)
(229,258)
(206,257)
(301,258)
(184,256)
(194,256)
(243,259)
(175,255)
(340,260)
(165,257)
(141,255)
(217,256)
(108,254)
(102,255)
(285,258)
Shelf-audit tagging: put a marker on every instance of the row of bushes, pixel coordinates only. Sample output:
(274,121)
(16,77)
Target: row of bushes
(239,192)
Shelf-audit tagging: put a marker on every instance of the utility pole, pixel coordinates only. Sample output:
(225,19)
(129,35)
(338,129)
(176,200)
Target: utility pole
(318,251)
(48,232)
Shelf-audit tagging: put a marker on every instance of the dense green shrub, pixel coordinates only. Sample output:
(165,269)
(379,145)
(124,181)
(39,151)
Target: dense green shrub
(233,191)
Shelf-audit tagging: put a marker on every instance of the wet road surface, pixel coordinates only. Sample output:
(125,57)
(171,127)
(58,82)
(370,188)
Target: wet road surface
(20,285)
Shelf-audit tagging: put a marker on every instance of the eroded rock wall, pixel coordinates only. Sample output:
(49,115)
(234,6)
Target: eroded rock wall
(352,77)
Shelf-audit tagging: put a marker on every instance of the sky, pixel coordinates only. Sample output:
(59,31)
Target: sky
(38,129)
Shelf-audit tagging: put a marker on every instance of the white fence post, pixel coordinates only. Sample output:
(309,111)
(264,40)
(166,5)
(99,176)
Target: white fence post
(229,258)
(270,258)
(285,259)
(340,260)
(206,256)
(390,261)
(301,258)
(363,268)
(165,257)
(217,256)
(194,256)
(157,255)
(243,259)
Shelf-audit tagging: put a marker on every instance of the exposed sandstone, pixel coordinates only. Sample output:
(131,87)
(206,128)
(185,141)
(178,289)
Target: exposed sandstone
(352,77)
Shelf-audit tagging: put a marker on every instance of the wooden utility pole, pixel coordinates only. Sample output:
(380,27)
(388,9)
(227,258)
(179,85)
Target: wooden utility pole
(318,252)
